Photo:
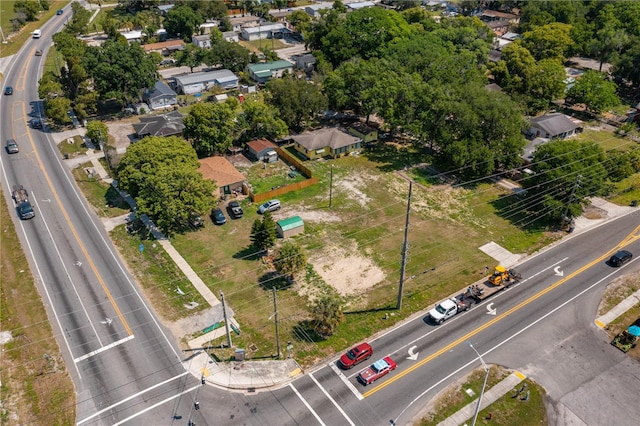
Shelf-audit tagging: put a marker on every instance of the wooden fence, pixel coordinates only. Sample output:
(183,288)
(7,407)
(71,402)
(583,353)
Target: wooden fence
(292,161)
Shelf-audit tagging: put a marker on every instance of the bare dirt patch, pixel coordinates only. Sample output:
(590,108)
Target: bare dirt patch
(353,185)
(593,212)
(346,270)
(122,133)
(617,291)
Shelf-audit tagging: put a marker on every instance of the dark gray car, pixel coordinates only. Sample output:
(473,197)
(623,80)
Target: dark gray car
(218,217)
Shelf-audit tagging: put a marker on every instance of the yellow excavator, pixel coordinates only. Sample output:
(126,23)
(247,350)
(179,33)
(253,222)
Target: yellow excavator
(502,276)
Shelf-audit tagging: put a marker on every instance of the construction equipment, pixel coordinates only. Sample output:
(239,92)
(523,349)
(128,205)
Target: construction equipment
(504,276)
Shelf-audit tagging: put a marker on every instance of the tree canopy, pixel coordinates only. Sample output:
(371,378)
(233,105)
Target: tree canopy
(594,90)
(183,21)
(161,173)
(298,101)
(209,127)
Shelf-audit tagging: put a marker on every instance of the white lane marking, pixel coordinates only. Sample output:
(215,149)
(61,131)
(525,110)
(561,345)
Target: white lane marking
(304,401)
(133,416)
(131,397)
(331,399)
(346,381)
(66,271)
(125,274)
(104,348)
(39,275)
(475,361)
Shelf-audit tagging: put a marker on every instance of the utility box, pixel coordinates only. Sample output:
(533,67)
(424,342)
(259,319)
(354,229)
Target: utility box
(240,354)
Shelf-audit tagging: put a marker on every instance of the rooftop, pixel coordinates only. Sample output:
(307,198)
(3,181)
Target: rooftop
(269,66)
(220,170)
(290,223)
(259,144)
(198,77)
(331,137)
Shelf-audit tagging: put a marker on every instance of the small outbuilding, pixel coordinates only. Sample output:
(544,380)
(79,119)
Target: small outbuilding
(364,132)
(161,96)
(261,149)
(290,226)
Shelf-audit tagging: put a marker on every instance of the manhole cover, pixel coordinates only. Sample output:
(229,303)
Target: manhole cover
(253,348)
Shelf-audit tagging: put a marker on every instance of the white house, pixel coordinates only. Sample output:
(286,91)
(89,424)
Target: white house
(230,36)
(552,126)
(133,36)
(202,41)
(200,81)
(161,96)
(261,31)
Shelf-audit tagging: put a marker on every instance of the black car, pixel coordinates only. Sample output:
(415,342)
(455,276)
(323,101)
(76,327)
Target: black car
(218,217)
(234,209)
(620,258)
(36,123)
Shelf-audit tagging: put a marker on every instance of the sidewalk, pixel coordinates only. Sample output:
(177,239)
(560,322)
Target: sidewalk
(253,375)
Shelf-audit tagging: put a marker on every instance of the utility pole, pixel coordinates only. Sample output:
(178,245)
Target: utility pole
(573,191)
(331,187)
(226,322)
(275,315)
(405,248)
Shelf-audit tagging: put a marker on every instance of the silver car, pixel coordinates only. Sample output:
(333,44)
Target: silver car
(12,146)
(269,206)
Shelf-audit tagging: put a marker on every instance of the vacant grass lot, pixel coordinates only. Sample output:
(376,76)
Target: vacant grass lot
(508,410)
(36,389)
(447,227)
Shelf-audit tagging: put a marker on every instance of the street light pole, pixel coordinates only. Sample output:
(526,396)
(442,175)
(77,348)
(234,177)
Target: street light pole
(484,384)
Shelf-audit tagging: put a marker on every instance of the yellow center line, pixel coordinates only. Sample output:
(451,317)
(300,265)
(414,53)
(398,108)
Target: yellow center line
(77,237)
(628,240)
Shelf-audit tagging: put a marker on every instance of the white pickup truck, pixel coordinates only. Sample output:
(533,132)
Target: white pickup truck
(446,309)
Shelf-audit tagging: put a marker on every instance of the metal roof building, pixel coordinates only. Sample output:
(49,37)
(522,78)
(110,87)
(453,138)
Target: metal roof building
(289,227)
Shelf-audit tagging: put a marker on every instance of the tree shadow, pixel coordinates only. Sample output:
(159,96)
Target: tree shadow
(513,209)
(273,279)
(393,157)
(114,199)
(305,328)
(248,253)
(372,310)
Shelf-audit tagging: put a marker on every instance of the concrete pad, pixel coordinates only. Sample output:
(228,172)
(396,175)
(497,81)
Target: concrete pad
(499,253)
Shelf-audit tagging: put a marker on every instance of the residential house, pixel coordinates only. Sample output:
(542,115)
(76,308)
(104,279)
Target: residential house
(164,8)
(237,24)
(314,10)
(280,16)
(306,62)
(223,173)
(133,36)
(290,226)
(364,132)
(260,149)
(230,36)
(499,27)
(169,124)
(201,81)
(202,41)
(164,48)
(264,71)
(634,114)
(359,5)
(531,147)
(552,126)
(262,32)
(208,27)
(493,15)
(493,87)
(161,96)
(327,142)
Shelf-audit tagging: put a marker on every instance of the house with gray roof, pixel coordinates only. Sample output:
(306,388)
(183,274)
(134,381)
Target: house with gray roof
(262,32)
(328,142)
(552,126)
(201,81)
(264,71)
(202,41)
(161,96)
(169,124)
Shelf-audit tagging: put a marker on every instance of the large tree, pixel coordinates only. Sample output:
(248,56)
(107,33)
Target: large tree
(263,233)
(567,172)
(289,260)
(552,41)
(120,70)
(79,19)
(161,173)
(191,56)
(209,127)
(297,100)
(259,120)
(326,311)
(594,90)
(183,21)
(225,54)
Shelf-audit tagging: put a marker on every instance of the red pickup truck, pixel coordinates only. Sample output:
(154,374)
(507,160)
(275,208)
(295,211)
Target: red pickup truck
(376,370)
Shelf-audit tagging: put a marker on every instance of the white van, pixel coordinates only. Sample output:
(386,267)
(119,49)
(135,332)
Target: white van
(37,34)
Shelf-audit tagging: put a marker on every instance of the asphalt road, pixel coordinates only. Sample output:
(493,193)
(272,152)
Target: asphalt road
(125,366)
(543,327)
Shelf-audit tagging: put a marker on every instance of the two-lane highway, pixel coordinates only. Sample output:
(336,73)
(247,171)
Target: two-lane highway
(124,365)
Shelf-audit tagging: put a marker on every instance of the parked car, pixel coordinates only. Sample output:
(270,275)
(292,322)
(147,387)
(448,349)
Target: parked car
(12,146)
(355,356)
(166,62)
(38,52)
(269,206)
(620,258)
(8,90)
(218,217)
(196,220)
(234,209)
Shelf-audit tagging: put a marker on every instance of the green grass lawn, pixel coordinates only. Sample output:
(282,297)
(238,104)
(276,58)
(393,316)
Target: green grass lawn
(102,196)
(607,140)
